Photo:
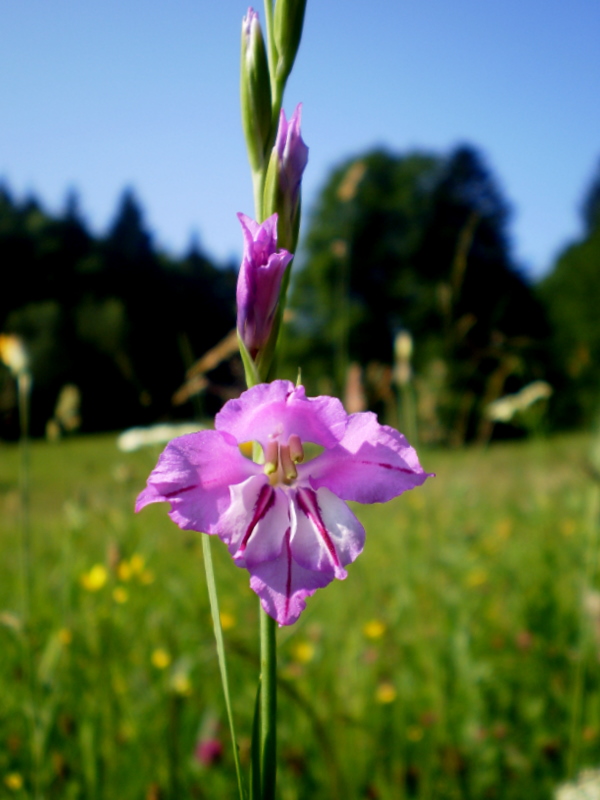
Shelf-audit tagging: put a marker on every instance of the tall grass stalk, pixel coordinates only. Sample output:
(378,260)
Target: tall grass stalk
(216,617)
(589,568)
(35,733)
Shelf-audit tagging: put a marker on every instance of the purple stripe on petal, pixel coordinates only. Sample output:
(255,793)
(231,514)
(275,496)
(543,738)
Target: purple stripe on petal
(180,491)
(387,466)
(288,582)
(371,464)
(264,502)
(308,504)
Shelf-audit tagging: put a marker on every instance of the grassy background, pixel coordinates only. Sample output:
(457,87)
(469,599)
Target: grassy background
(458,660)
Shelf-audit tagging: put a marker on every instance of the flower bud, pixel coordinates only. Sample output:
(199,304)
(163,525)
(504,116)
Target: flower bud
(255,89)
(259,281)
(289,19)
(284,176)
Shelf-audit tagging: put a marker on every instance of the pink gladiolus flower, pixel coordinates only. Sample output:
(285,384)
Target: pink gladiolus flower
(292,153)
(259,281)
(286,520)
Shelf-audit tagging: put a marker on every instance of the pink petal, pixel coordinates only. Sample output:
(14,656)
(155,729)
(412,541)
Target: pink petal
(193,474)
(326,535)
(283,585)
(281,409)
(371,464)
(254,525)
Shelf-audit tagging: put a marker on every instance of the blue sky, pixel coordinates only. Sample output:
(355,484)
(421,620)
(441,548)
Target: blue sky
(102,95)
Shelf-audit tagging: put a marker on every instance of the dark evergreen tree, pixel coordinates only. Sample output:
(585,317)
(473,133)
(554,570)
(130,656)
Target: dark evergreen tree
(112,316)
(417,242)
(571,293)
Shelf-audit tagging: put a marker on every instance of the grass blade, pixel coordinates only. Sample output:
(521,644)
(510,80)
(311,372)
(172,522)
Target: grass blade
(214,608)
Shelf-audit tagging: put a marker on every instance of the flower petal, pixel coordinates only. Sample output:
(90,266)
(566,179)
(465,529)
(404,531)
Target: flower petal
(326,535)
(194,474)
(371,464)
(283,585)
(260,238)
(280,409)
(254,525)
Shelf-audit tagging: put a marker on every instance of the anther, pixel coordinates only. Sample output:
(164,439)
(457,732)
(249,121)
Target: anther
(296,449)
(272,457)
(287,465)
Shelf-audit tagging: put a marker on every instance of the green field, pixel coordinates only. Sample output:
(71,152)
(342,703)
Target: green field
(460,659)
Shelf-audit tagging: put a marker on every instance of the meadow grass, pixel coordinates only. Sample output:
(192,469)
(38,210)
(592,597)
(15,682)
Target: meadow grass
(460,659)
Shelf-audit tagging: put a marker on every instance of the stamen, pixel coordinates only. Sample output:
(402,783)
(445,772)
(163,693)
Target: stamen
(287,465)
(296,449)
(272,458)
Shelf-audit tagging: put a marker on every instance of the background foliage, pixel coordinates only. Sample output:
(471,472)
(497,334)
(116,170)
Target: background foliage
(416,242)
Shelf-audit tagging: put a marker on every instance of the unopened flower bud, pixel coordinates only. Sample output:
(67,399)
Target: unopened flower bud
(255,90)
(289,19)
(284,177)
(259,281)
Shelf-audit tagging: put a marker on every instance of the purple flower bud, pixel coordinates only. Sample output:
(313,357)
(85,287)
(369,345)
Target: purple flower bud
(292,154)
(284,176)
(259,281)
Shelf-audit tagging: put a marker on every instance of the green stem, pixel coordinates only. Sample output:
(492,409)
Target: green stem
(277,85)
(271,49)
(24,391)
(258,188)
(268,705)
(216,617)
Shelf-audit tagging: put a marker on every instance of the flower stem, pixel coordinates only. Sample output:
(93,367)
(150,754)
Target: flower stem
(268,705)
(214,608)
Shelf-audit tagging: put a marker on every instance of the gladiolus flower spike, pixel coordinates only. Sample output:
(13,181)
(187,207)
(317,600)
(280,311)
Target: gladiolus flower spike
(286,520)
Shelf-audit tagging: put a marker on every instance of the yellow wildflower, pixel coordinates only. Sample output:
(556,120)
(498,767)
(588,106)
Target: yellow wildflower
(120,595)
(374,629)
(124,571)
(137,563)
(386,693)
(95,578)
(14,781)
(181,684)
(160,658)
(227,620)
(303,652)
(13,353)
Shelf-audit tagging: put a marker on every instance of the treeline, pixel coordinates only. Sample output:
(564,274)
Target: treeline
(109,315)
(420,243)
(399,248)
